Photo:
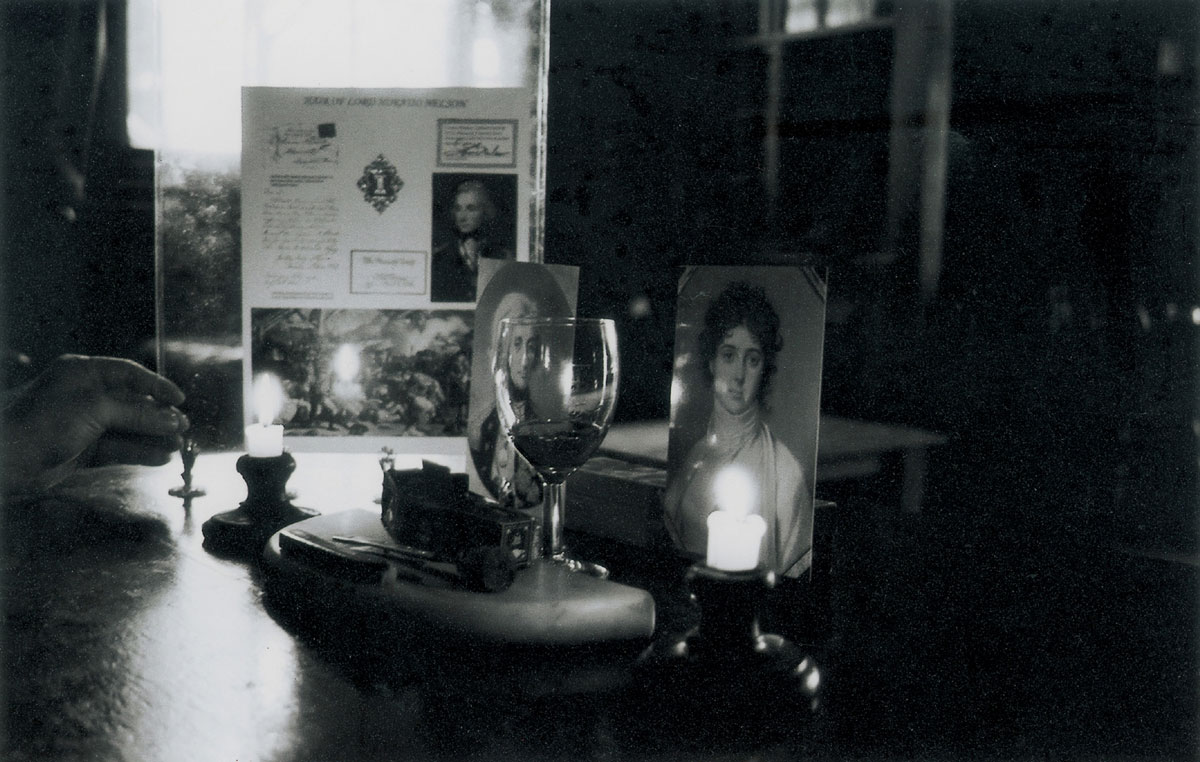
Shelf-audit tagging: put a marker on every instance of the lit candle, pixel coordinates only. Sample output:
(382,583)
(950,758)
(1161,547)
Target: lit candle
(265,439)
(734,533)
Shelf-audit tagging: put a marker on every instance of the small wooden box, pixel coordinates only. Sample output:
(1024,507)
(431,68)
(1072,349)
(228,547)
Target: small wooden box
(617,500)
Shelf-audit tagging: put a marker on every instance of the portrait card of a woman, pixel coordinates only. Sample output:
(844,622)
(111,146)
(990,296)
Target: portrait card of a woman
(508,290)
(745,400)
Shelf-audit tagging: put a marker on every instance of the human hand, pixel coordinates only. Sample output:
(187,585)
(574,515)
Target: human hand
(88,411)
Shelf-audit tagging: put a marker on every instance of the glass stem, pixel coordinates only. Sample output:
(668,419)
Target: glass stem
(553,502)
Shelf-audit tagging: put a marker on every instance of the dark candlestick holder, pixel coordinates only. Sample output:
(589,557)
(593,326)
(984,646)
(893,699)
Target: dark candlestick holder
(266,509)
(725,680)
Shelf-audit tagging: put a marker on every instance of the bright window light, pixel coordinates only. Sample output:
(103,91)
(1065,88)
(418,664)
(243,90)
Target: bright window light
(802,16)
(811,15)
(188,60)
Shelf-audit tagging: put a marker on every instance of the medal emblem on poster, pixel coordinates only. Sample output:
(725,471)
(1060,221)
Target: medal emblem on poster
(380,183)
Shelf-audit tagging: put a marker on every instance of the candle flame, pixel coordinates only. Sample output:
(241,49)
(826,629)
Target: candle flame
(734,490)
(268,397)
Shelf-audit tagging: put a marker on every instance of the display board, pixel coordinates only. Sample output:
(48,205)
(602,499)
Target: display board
(329,237)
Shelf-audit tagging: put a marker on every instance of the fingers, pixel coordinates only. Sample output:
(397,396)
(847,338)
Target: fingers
(122,396)
(135,449)
(141,415)
(113,409)
(118,375)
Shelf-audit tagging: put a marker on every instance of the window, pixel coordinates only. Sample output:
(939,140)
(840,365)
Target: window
(188,60)
(815,15)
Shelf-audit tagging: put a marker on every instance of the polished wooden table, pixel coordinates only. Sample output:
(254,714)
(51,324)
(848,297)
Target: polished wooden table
(126,640)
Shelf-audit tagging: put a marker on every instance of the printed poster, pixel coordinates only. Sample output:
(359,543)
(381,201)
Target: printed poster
(366,215)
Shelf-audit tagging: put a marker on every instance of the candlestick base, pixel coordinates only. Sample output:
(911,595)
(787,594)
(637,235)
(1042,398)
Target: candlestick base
(244,531)
(725,681)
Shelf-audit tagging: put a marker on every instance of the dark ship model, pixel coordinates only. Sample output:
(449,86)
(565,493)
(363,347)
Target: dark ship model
(433,510)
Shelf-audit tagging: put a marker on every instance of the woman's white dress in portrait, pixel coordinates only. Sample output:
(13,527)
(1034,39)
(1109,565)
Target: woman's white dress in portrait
(744,441)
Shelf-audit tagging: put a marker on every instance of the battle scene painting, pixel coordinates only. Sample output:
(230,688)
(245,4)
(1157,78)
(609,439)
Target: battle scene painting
(367,372)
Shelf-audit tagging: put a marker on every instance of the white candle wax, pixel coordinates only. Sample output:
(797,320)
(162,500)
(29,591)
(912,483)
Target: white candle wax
(264,441)
(734,541)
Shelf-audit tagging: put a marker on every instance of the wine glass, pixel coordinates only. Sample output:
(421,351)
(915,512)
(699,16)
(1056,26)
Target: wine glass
(556,389)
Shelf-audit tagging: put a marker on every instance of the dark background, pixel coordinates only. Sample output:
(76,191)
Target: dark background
(1059,346)
(1049,585)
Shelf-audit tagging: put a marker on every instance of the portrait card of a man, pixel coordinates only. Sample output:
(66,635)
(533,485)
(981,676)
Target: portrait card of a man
(508,290)
(745,407)
(474,221)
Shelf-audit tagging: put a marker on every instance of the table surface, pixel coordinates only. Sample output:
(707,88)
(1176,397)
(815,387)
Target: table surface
(126,639)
